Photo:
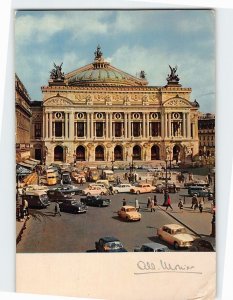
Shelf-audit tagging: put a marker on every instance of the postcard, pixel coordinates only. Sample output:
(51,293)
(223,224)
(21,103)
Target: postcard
(115,153)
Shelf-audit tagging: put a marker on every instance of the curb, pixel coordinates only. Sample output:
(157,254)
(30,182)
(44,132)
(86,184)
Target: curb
(190,229)
(19,236)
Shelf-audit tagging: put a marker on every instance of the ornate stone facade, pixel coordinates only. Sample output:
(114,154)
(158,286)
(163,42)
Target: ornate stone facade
(22,116)
(98,114)
(206,130)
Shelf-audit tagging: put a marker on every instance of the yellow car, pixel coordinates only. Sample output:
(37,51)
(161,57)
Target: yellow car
(176,235)
(129,213)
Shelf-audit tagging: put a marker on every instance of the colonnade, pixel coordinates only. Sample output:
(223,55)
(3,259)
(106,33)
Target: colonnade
(187,130)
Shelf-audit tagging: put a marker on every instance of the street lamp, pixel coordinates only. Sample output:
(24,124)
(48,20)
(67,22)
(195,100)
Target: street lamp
(213,218)
(131,168)
(112,161)
(166,190)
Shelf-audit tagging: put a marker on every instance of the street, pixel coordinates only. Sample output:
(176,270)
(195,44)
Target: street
(47,233)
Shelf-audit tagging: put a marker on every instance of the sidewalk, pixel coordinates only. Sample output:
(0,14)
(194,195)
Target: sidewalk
(20,226)
(196,222)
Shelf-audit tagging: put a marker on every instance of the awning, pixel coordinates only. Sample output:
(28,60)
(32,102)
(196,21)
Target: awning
(22,170)
(28,166)
(30,162)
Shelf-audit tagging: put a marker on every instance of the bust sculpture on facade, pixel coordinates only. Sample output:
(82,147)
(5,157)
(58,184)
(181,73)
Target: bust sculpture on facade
(56,73)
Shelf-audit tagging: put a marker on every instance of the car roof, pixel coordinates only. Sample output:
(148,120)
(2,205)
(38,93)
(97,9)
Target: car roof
(155,246)
(173,226)
(109,239)
(128,206)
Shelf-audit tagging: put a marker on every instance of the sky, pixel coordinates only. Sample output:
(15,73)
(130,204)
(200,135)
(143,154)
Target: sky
(132,41)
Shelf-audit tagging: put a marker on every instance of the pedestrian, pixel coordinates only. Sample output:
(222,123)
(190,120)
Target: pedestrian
(25,207)
(148,202)
(124,202)
(152,205)
(137,206)
(169,203)
(110,190)
(81,181)
(194,202)
(57,209)
(181,205)
(174,187)
(155,201)
(201,205)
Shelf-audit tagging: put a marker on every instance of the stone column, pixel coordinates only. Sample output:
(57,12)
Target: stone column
(106,127)
(169,125)
(129,125)
(71,127)
(46,125)
(162,125)
(110,126)
(125,126)
(50,125)
(184,125)
(92,133)
(188,126)
(165,125)
(147,125)
(66,125)
(144,125)
(88,126)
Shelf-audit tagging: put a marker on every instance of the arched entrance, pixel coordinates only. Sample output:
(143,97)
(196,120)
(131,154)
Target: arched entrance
(137,153)
(155,153)
(58,153)
(118,153)
(80,153)
(176,153)
(99,153)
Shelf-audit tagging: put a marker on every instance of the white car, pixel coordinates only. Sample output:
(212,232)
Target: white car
(122,188)
(95,190)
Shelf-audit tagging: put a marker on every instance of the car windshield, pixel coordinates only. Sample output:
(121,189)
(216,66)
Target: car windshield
(114,245)
(131,209)
(180,230)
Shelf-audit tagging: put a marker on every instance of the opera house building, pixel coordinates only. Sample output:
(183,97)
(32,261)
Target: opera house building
(100,114)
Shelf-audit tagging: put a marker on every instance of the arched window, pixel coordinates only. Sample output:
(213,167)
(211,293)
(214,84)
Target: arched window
(118,153)
(137,153)
(80,153)
(99,153)
(58,153)
(155,153)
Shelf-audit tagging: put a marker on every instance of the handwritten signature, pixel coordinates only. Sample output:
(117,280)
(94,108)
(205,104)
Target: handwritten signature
(146,267)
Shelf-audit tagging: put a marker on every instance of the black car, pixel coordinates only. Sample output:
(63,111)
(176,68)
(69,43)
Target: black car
(109,244)
(72,206)
(65,178)
(205,244)
(61,192)
(96,201)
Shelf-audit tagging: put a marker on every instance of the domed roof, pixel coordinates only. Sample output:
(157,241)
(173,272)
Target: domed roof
(101,72)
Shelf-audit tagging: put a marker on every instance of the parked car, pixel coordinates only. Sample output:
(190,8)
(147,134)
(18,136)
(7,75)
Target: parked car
(142,188)
(122,188)
(96,201)
(152,247)
(65,178)
(73,206)
(196,183)
(205,244)
(176,235)
(36,199)
(34,187)
(109,244)
(129,213)
(200,191)
(69,189)
(161,187)
(95,190)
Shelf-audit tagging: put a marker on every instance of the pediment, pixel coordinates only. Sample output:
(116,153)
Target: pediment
(177,102)
(58,101)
